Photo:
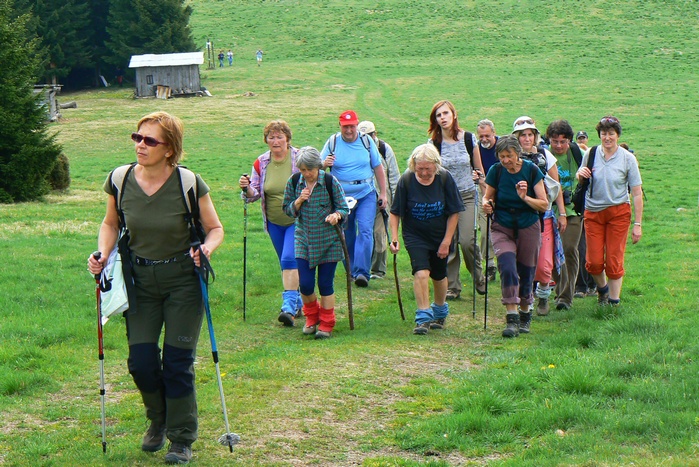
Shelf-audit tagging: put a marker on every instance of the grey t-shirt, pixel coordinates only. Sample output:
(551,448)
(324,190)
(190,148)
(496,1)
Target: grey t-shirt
(156,223)
(611,179)
(456,160)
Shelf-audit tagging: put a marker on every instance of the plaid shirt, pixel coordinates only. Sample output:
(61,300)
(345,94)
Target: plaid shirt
(315,240)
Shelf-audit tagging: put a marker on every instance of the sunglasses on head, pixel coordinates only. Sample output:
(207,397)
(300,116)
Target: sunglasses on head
(528,121)
(609,119)
(148,140)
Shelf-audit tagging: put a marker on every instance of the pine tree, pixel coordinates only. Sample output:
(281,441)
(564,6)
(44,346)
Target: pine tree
(143,26)
(27,152)
(65,32)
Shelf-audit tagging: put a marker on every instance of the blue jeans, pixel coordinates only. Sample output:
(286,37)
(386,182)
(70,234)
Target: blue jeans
(359,235)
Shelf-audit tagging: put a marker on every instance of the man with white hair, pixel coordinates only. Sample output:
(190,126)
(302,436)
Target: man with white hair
(390,167)
(486,143)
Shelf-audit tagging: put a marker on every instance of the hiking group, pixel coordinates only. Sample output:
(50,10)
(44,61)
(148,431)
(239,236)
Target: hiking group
(350,196)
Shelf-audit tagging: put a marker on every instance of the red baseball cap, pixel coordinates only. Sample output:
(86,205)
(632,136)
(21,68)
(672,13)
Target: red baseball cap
(348,117)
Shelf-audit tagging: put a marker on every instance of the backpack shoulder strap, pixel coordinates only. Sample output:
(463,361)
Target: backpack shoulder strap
(382,148)
(468,141)
(577,153)
(118,180)
(188,183)
(329,186)
(295,180)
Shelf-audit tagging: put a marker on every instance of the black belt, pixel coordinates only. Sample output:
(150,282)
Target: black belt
(153,262)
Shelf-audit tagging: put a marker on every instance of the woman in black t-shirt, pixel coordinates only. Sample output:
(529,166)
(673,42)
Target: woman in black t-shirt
(428,202)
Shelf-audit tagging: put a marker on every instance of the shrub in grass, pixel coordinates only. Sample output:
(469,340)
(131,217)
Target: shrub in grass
(59,178)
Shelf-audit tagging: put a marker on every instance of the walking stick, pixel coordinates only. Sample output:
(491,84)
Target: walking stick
(245,245)
(395,276)
(348,274)
(227,439)
(475,248)
(395,266)
(97,255)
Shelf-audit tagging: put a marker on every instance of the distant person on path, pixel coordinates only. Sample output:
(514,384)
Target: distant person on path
(428,202)
(258,55)
(270,172)
(551,252)
(354,160)
(317,245)
(230,57)
(390,167)
(167,291)
(487,139)
(568,159)
(459,155)
(608,209)
(220,59)
(515,195)
(581,139)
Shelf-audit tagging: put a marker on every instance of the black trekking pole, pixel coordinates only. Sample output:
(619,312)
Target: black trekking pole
(100,340)
(227,439)
(245,245)
(475,248)
(487,242)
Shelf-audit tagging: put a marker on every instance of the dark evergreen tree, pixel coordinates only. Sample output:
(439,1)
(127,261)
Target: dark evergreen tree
(27,152)
(143,26)
(65,31)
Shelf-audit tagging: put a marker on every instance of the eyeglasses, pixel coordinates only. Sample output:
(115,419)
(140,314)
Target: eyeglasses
(528,121)
(609,119)
(150,141)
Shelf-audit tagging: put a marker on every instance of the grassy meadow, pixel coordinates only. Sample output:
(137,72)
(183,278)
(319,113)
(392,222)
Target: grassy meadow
(587,387)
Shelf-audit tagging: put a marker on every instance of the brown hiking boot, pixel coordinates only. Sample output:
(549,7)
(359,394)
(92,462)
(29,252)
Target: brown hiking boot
(179,453)
(542,309)
(154,439)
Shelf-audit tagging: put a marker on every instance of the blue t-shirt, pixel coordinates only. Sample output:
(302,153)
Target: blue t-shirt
(488,156)
(510,210)
(353,163)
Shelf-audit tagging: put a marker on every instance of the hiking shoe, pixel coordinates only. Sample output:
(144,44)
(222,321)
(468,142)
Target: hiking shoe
(438,323)
(602,299)
(377,276)
(560,306)
(491,273)
(179,453)
(452,295)
(308,330)
(421,329)
(323,335)
(542,309)
(287,319)
(480,286)
(154,439)
(512,329)
(525,320)
(361,281)
(579,294)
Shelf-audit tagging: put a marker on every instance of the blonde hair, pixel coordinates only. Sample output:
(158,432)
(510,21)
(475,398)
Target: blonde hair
(424,153)
(173,132)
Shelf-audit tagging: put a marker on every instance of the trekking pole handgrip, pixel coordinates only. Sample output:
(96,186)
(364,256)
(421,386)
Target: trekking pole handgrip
(97,255)
(244,190)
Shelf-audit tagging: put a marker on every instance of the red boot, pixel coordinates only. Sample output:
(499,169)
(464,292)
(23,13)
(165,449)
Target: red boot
(327,323)
(311,311)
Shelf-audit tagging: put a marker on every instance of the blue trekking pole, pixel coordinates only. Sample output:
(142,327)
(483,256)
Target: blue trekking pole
(227,439)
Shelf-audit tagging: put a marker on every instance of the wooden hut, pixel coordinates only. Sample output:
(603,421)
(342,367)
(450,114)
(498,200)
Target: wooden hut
(167,74)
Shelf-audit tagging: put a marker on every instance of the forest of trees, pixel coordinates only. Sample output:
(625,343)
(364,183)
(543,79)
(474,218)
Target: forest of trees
(82,39)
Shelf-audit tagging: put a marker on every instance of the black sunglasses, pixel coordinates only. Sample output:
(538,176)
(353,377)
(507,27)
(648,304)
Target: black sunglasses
(150,141)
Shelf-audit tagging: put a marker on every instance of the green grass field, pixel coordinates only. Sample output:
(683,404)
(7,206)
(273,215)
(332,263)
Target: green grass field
(587,387)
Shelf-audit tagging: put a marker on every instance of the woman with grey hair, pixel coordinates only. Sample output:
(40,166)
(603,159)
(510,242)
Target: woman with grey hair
(428,201)
(317,201)
(515,195)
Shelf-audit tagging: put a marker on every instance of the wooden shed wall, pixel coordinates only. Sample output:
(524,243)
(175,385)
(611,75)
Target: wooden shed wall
(177,77)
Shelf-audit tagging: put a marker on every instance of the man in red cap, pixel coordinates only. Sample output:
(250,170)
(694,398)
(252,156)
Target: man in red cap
(354,159)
